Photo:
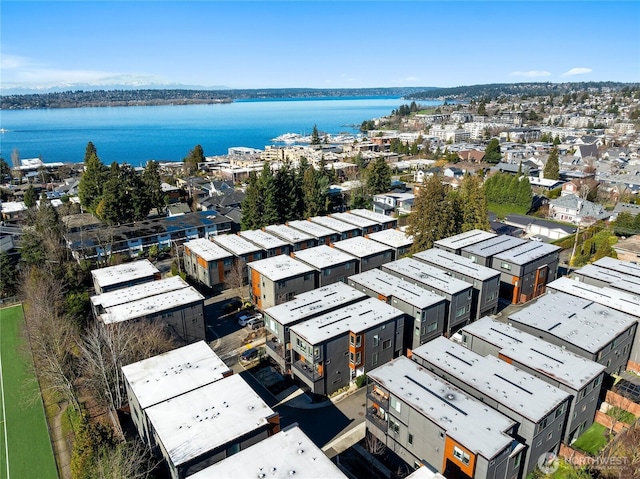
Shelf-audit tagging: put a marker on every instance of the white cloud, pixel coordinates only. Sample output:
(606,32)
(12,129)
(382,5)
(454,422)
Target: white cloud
(577,71)
(531,74)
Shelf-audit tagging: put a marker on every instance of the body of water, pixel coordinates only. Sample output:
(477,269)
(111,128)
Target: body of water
(135,135)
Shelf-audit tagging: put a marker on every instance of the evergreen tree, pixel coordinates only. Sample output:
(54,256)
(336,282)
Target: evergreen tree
(92,182)
(30,197)
(270,214)
(552,167)
(9,280)
(378,177)
(5,169)
(303,166)
(315,136)
(135,190)
(433,217)
(124,199)
(252,204)
(315,187)
(286,194)
(191,161)
(492,152)
(152,183)
(89,152)
(473,203)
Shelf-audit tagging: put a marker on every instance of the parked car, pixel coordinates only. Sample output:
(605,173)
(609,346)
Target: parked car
(250,354)
(255,323)
(244,319)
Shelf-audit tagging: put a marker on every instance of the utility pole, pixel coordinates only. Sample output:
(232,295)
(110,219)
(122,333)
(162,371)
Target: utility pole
(575,244)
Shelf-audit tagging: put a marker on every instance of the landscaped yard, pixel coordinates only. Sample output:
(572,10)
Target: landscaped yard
(593,439)
(621,415)
(24,427)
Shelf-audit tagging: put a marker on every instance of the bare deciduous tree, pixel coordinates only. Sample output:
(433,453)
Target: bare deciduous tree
(127,460)
(235,279)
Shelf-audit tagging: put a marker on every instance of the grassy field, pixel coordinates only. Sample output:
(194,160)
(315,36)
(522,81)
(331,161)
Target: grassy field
(593,439)
(24,439)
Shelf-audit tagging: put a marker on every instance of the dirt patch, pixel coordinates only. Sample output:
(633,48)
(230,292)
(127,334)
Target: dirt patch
(270,378)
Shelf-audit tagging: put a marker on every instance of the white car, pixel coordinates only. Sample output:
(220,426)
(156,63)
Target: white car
(246,318)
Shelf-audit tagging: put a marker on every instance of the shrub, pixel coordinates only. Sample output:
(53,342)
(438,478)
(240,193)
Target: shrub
(361,380)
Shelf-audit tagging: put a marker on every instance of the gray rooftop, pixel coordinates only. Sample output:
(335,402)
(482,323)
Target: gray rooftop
(372,215)
(361,247)
(581,322)
(528,252)
(173,373)
(311,228)
(356,317)
(388,285)
(357,220)
(615,279)
(456,263)
(323,256)
(289,453)
(620,266)
(514,389)
(263,239)
(463,240)
(493,246)
(313,303)
(391,237)
(138,291)
(211,416)
(124,272)
(287,233)
(280,267)
(236,244)
(548,359)
(610,297)
(466,420)
(418,272)
(207,249)
(334,224)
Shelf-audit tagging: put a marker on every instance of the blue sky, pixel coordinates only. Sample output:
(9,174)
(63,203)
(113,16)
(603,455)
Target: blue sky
(317,44)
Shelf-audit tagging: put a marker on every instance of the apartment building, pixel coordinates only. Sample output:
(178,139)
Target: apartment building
(344,230)
(482,252)
(331,264)
(603,277)
(614,264)
(455,244)
(425,420)
(123,275)
(165,376)
(589,329)
(206,262)
(366,225)
(385,222)
(538,408)
(581,378)
(289,453)
(331,350)
(485,281)
(278,279)
(270,244)
(243,251)
(278,319)
(457,293)
(321,234)
(424,311)
(169,301)
(369,254)
(206,425)
(296,238)
(395,239)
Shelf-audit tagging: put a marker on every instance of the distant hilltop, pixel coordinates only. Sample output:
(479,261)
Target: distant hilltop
(186,96)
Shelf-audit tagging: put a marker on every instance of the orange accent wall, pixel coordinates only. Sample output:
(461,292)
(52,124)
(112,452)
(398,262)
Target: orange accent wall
(221,271)
(202,262)
(382,297)
(187,250)
(448,454)
(516,289)
(505,358)
(255,288)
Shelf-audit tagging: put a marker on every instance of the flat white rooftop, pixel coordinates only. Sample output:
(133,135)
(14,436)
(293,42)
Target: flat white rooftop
(280,267)
(421,273)
(465,239)
(323,256)
(173,373)
(581,322)
(392,238)
(493,246)
(386,284)
(314,303)
(289,453)
(361,247)
(452,262)
(615,279)
(466,420)
(333,224)
(356,317)
(612,298)
(236,244)
(372,215)
(207,249)
(548,359)
(263,239)
(514,389)
(206,418)
(287,233)
(151,305)
(528,252)
(620,266)
(359,221)
(138,291)
(121,273)
(311,228)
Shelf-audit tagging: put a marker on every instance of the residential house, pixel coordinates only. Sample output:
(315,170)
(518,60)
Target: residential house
(296,238)
(207,262)
(366,225)
(455,243)
(269,243)
(628,249)
(399,242)
(331,264)
(345,230)
(369,253)
(533,226)
(123,275)
(321,234)
(243,251)
(394,203)
(603,277)
(384,221)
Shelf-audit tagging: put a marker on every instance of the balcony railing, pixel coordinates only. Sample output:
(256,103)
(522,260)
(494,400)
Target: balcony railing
(307,370)
(373,418)
(276,346)
(378,398)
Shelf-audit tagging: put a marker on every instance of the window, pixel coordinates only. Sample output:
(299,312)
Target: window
(280,284)
(347,266)
(228,262)
(376,340)
(473,258)
(410,438)
(316,353)
(327,272)
(394,426)
(432,327)
(462,456)
(461,311)
(307,277)
(506,266)
(441,435)
(374,359)
(516,461)
(549,436)
(386,344)
(358,358)
(395,404)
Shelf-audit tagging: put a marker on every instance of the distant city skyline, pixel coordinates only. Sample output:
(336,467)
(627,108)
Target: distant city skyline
(316,44)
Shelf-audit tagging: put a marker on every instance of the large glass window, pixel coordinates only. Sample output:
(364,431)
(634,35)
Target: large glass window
(462,456)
